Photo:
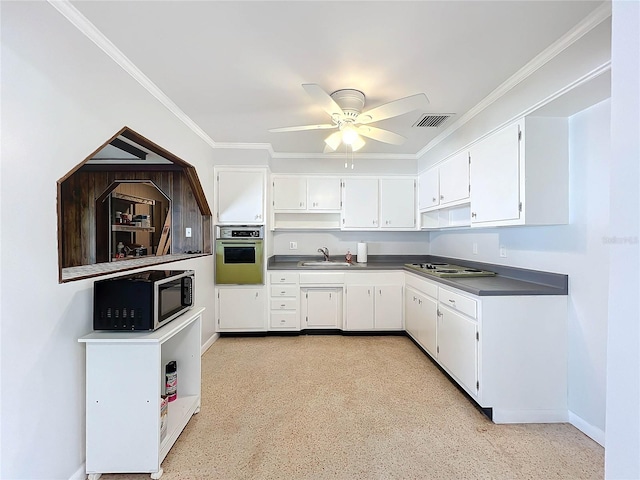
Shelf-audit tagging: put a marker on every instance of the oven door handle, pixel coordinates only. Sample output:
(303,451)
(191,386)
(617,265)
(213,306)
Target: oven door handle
(240,244)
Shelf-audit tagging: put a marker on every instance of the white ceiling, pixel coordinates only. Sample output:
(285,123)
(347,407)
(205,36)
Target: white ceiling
(235,68)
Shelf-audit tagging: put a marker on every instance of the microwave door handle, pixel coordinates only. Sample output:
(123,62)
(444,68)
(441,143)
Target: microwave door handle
(187,292)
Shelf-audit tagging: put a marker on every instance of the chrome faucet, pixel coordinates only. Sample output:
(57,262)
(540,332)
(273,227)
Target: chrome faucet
(324,251)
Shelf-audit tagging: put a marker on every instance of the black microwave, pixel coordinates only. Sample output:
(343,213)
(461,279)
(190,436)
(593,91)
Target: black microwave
(142,301)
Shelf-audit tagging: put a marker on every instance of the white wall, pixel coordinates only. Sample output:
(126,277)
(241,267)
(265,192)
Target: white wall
(338,243)
(578,250)
(622,456)
(62,98)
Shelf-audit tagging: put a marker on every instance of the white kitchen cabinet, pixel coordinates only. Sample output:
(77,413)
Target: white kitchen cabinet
(240,195)
(508,352)
(305,193)
(446,183)
(520,174)
(397,203)
(379,203)
(360,307)
(429,189)
(241,309)
(454,179)
(360,203)
(284,298)
(421,316)
(458,346)
(289,193)
(324,193)
(124,383)
(322,307)
(374,301)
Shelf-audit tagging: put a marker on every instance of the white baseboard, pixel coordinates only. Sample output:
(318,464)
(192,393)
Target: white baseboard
(79,474)
(210,341)
(585,427)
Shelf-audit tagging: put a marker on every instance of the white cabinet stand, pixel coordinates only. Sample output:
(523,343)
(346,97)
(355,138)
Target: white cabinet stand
(125,379)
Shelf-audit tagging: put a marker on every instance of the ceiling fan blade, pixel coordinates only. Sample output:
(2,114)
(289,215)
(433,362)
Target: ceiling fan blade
(323,126)
(393,109)
(381,135)
(333,140)
(323,99)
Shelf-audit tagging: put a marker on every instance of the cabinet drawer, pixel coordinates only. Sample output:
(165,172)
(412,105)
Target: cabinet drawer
(463,304)
(284,320)
(284,277)
(322,278)
(284,291)
(284,304)
(423,286)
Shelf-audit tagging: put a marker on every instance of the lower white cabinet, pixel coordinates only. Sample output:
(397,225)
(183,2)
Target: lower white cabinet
(241,309)
(321,307)
(421,317)
(509,353)
(284,300)
(374,301)
(458,346)
(125,373)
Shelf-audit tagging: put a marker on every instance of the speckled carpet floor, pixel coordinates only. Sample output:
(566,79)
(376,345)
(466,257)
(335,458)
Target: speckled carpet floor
(334,407)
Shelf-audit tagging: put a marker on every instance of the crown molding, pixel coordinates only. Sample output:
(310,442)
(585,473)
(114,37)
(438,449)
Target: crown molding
(81,22)
(591,21)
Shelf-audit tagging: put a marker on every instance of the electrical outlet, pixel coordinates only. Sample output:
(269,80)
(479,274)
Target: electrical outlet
(187,232)
(475,248)
(503,251)
(293,245)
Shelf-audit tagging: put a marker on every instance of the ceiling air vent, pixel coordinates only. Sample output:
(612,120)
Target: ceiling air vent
(432,120)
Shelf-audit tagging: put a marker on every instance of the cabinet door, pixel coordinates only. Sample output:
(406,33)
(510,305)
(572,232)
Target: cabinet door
(427,333)
(240,196)
(495,177)
(388,307)
(454,179)
(289,193)
(323,193)
(429,189)
(397,203)
(322,307)
(411,312)
(360,205)
(458,347)
(241,309)
(360,305)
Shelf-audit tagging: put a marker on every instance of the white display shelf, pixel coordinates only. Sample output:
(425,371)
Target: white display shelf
(125,380)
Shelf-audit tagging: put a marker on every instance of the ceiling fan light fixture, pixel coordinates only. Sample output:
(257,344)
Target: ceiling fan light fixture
(333,140)
(349,135)
(358,144)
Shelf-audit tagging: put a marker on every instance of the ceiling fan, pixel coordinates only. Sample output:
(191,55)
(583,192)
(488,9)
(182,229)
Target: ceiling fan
(345,108)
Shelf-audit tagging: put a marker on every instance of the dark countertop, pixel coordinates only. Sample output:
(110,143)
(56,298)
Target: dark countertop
(508,281)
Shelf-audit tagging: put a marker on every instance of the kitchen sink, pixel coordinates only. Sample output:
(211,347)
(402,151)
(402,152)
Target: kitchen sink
(323,263)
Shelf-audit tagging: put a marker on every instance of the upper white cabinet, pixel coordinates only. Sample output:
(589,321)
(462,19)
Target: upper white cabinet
(429,189)
(306,193)
(324,193)
(379,203)
(397,203)
(360,202)
(446,183)
(240,195)
(520,174)
(454,179)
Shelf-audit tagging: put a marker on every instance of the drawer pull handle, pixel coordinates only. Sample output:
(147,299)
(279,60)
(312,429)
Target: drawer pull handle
(452,301)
